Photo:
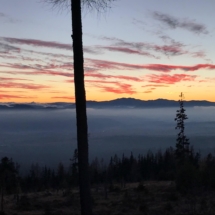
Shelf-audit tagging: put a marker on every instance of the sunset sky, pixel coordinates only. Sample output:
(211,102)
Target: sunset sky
(144,49)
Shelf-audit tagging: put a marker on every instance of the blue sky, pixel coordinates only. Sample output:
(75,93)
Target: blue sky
(142,49)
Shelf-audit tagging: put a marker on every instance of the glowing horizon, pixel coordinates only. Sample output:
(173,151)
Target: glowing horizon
(149,53)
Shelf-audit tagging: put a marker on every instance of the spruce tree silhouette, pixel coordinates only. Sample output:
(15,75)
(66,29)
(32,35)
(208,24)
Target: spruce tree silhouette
(182,142)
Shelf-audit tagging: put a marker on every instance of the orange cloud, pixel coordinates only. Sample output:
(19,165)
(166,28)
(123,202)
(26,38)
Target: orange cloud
(155,85)
(5,96)
(64,97)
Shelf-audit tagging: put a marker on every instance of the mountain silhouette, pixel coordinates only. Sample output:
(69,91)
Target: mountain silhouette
(116,103)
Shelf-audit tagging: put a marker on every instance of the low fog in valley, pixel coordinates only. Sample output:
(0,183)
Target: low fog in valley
(48,137)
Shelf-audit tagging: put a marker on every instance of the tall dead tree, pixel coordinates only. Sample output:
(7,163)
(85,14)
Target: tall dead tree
(80,95)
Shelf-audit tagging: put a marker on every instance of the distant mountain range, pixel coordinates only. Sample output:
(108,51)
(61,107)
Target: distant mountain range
(116,103)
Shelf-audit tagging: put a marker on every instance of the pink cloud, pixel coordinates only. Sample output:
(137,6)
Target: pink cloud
(155,85)
(46,72)
(170,48)
(13,79)
(23,86)
(170,79)
(101,64)
(104,76)
(119,88)
(93,65)
(101,82)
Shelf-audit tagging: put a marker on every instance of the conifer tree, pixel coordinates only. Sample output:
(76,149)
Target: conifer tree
(8,173)
(182,142)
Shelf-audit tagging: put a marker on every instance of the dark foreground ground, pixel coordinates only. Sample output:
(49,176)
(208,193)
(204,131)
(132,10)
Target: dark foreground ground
(149,198)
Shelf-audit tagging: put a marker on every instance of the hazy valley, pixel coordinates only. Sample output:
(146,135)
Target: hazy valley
(48,137)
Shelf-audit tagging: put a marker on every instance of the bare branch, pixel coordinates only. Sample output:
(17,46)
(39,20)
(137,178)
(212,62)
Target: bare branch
(58,4)
(98,5)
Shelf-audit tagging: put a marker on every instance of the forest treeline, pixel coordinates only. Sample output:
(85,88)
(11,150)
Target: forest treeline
(194,172)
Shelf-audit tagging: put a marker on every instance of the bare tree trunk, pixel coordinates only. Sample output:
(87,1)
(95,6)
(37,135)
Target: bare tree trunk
(81,115)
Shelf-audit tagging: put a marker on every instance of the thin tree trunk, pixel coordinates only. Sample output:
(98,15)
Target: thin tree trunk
(81,115)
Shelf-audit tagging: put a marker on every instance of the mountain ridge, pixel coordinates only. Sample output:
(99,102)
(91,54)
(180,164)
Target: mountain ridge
(115,103)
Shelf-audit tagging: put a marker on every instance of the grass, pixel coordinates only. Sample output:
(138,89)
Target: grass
(148,198)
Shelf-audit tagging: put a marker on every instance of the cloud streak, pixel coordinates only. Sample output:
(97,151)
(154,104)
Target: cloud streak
(6,49)
(119,88)
(64,97)
(105,76)
(23,86)
(105,65)
(13,79)
(93,65)
(37,66)
(41,72)
(7,96)
(174,23)
(155,85)
(127,51)
(7,18)
(46,44)
(171,48)
(169,79)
